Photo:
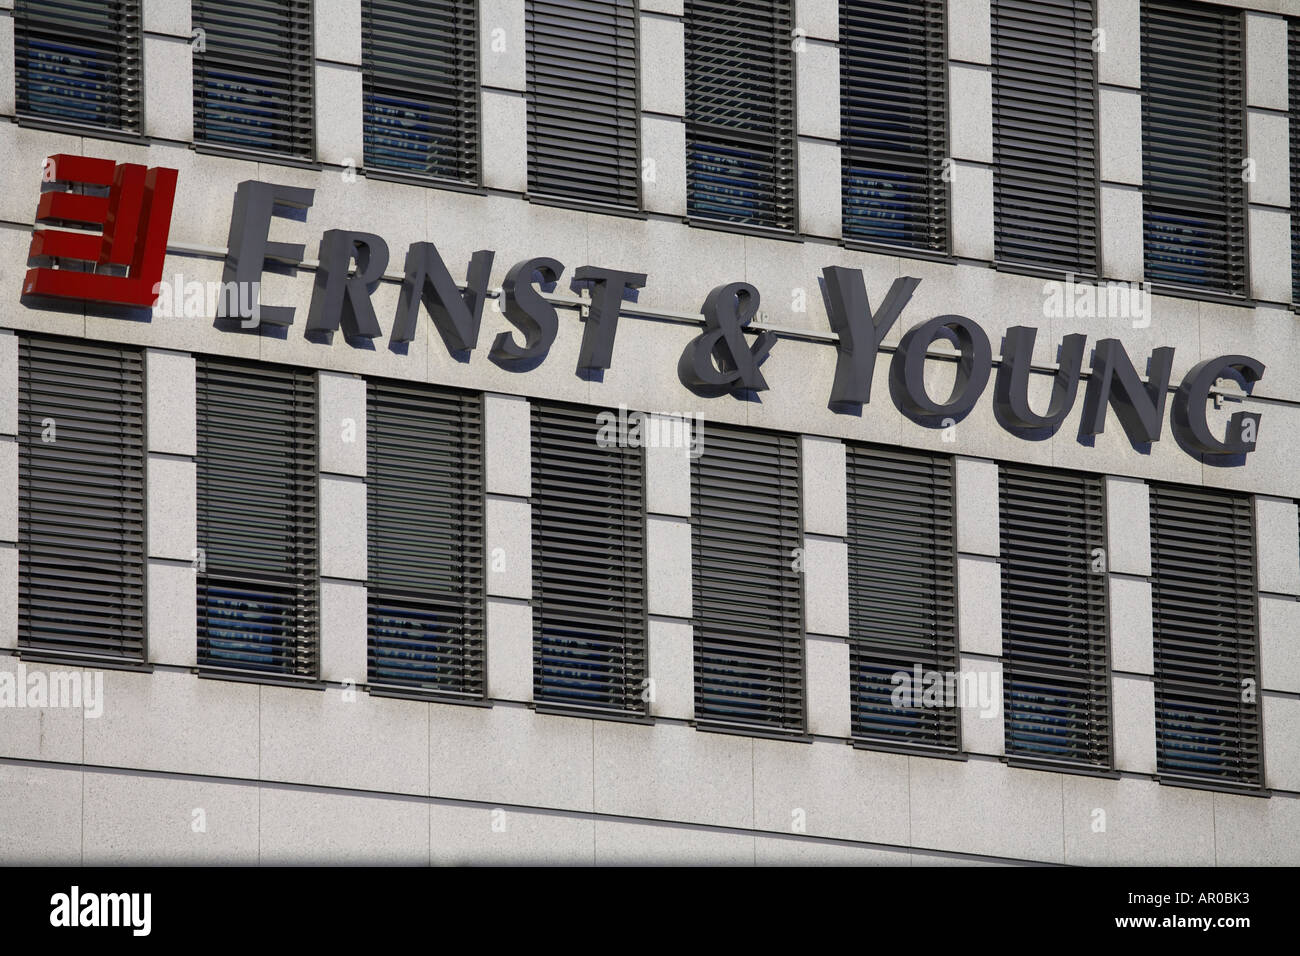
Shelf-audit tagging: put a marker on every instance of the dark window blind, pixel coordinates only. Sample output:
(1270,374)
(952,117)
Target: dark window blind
(81,469)
(254,75)
(256,467)
(740,112)
(424,485)
(1044,135)
(1193,195)
(902,597)
(78,61)
(747,596)
(583,115)
(589,642)
(1056,667)
(420,87)
(892,122)
(1293,93)
(1206,642)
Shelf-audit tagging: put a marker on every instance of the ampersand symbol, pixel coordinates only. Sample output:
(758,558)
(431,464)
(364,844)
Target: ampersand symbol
(720,358)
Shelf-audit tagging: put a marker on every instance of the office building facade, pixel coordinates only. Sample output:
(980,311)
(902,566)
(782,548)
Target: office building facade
(674,431)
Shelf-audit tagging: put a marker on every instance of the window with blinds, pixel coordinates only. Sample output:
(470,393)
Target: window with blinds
(589,641)
(1206,640)
(902,597)
(254,75)
(740,112)
(893,112)
(1045,135)
(1193,195)
(257,561)
(1293,93)
(420,87)
(424,487)
(81,474)
(78,61)
(1055,652)
(583,114)
(748,612)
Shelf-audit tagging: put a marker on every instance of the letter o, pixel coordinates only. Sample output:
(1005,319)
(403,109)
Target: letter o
(907,371)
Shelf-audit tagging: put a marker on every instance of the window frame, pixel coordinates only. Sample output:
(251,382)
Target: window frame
(635,639)
(304,577)
(127,88)
(937,139)
(468,419)
(472,157)
(786,138)
(308,147)
(134,642)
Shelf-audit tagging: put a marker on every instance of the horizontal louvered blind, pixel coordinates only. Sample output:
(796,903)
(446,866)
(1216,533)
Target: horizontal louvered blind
(1193,195)
(747,594)
(424,487)
(81,499)
(1293,91)
(902,597)
(740,111)
(420,87)
(589,643)
(256,470)
(78,61)
(583,114)
(1206,642)
(1044,135)
(892,116)
(254,75)
(1056,671)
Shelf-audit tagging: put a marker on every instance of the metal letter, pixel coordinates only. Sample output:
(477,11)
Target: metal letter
(860,331)
(608,286)
(907,371)
(1140,408)
(1011,389)
(527,311)
(456,315)
(343,296)
(249,249)
(1190,425)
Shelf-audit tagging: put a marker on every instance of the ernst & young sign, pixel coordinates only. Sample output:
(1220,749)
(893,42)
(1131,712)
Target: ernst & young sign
(121,265)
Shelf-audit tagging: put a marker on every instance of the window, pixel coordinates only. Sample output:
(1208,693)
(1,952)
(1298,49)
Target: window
(902,595)
(748,609)
(253,75)
(740,112)
(892,118)
(78,61)
(424,486)
(256,470)
(589,644)
(583,113)
(1206,643)
(1044,135)
(420,87)
(1293,92)
(1193,195)
(1056,669)
(81,464)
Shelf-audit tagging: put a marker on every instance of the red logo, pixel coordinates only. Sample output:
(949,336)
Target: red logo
(123,262)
